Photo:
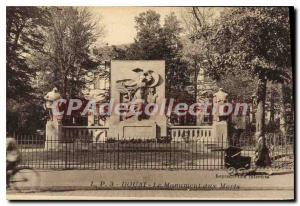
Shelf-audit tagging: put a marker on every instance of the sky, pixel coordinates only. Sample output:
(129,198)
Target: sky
(119,25)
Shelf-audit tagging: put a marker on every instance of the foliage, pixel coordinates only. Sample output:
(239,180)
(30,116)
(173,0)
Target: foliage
(197,47)
(157,42)
(254,41)
(69,40)
(148,44)
(242,45)
(239,89)
(24,36)
(25,117)
(46,47)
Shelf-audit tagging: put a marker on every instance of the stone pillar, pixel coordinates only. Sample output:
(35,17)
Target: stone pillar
(220,133)
(91,119)
(53,134)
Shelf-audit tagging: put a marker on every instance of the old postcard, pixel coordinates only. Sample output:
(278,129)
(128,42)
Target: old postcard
(156,103)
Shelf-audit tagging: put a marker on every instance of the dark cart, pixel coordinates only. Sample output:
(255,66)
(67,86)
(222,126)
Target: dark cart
(235,161)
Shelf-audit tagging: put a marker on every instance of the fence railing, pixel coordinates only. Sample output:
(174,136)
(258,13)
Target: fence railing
(77,153)
(87,133)
(122,154)
(281,148)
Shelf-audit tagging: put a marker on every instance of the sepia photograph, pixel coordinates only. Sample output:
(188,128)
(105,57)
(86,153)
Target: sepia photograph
(150,103)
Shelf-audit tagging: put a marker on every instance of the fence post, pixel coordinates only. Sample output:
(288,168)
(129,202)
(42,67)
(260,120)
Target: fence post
(222,153)
(118,153)
(66,155)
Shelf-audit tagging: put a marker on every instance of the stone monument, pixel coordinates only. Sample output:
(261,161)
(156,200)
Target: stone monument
(206,87)
(137,85)
(220,125)
(53,126)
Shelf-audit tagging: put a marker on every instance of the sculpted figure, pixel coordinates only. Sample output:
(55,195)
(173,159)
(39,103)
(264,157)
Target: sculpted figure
(139,90)
(152,96)
(50,97)
(220,98)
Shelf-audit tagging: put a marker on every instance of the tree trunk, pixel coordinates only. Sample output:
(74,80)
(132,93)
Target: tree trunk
(195,80)
(282,110)
(195,118)
(262,158)
(272,108)
(260,113)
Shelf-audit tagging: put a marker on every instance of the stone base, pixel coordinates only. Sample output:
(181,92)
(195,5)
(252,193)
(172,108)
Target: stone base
(220,133)
(99,135)
(134,130)
(53,134)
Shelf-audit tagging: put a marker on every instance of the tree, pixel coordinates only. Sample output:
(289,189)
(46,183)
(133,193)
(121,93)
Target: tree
(177,77)
(25,37)
(69,40)
(255,42)
(157,42)
(147,43)
(197,47)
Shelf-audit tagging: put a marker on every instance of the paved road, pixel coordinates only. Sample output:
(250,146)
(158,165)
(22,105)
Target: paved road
(159,195)
(109,184)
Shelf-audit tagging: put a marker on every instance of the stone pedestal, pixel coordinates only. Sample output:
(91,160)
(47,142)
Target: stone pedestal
(135,130)
(220,133)
(53,134)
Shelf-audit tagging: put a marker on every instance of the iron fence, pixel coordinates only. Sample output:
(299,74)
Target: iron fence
(141,153)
